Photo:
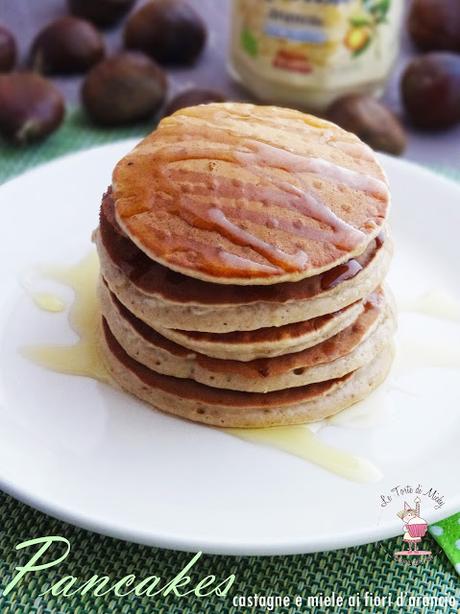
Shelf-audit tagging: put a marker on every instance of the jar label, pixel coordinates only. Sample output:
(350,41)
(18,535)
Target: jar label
(316,43)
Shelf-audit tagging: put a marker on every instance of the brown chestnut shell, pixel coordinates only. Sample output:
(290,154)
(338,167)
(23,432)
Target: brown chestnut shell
(123,89)
(370,120)
(101,12)
(434,25)
(31,107)
(170,31)
(67,45)
(430,89)
(8,50)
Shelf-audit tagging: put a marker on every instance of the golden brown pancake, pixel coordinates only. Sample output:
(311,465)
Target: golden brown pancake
(344,352)
(269,341)
(167,299)
(240,249)
(154,279)
(229,408)
(240,194)
(222,317)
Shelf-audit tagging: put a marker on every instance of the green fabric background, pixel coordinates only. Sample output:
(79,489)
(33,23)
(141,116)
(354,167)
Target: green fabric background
(366,568)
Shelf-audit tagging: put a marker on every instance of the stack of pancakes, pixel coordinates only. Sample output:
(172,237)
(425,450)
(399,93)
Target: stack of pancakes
(243,250)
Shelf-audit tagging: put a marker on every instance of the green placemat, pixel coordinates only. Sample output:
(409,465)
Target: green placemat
(371,569)
(75,133)
(346,572)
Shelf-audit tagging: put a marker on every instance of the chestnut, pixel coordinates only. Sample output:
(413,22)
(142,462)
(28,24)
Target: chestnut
(369,119)
(170,31)
(8,50)
(65,46)
(101,12)
(31,107)
(434,25)
(192,97)
(430,89)
(123,89)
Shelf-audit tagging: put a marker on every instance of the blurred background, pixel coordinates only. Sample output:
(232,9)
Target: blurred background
(188,44)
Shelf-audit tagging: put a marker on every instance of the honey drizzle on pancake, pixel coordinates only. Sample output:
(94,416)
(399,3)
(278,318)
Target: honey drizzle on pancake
(342,272)
(152,277)
(177,191)
(238,235)
(257,155)
(213,157)
(252,192)
(82,359)
(276,157)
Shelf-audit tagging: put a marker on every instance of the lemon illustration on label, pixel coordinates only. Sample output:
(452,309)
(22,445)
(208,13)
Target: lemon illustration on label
(357,39)
(364,25)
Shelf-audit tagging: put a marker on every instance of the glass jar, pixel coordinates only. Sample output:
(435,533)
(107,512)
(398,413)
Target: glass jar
(307,53)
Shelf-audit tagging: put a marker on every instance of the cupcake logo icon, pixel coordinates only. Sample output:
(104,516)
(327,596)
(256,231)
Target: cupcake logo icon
(414,530)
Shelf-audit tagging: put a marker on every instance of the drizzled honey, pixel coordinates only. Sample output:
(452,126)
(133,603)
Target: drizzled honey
(81,358)
(151,277)
(48,302)
(435,303)
(228,195)
(302,442)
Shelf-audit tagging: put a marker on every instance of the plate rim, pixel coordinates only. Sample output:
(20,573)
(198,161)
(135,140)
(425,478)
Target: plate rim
(320,543)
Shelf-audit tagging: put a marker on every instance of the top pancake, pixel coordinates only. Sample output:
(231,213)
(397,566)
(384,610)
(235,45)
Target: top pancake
(243,194)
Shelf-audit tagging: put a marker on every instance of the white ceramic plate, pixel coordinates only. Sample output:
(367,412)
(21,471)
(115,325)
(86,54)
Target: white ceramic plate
(97,458)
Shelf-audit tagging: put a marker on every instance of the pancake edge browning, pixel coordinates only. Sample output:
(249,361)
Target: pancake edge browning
(162,356)
(141,200)
(342,394)
(158,312)
(218,348)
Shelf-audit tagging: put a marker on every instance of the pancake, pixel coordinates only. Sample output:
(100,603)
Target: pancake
(266,342)
(242,251)
(240,194)
(154,279)
(347,351)
(296,302)
(228,408)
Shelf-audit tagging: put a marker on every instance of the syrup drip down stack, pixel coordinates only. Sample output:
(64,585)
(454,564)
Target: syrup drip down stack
(243,251)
